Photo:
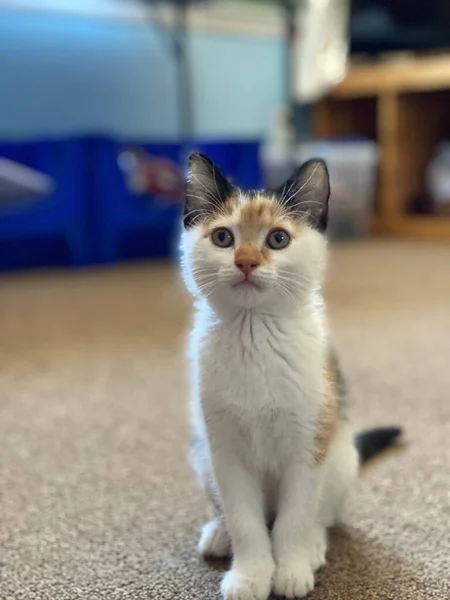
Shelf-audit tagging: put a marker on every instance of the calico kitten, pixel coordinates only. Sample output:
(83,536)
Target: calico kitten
(273,447)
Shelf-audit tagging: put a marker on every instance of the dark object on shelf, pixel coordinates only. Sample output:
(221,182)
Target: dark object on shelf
(421,205)
(378,26)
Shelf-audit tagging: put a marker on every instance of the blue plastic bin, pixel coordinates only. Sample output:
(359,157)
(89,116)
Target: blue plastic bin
(51,231)
(125,225)
(129,226)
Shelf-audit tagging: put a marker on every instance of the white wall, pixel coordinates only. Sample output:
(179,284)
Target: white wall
(62,74)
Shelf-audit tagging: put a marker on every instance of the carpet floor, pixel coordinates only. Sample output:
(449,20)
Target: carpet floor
(97,501)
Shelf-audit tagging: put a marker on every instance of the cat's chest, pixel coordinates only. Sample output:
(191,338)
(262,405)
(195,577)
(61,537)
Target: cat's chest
(261,366)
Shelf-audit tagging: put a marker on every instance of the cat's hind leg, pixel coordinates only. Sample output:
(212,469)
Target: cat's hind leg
(214,539)
(341,471)
(341,468)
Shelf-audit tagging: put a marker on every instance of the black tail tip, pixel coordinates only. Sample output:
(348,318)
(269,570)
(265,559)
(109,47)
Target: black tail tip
(373,441)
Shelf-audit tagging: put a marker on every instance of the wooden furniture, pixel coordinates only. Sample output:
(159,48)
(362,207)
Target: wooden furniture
(404,106)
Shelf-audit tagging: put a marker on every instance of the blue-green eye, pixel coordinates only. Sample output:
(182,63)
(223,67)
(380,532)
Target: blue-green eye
(222,237)
(278,239)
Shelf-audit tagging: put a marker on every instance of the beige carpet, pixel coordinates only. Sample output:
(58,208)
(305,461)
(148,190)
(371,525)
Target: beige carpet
(96,498)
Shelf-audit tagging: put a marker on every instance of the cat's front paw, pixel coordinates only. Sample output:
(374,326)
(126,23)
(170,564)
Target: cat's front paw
(252,585)
(214,540)
(293,579)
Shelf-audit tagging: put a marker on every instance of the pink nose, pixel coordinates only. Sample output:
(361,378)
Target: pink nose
(246,265)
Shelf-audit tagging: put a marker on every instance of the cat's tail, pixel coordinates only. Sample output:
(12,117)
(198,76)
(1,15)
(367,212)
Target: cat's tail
(373,441)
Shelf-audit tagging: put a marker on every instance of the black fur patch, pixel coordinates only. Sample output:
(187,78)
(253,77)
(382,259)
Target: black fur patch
(307,192)
(373,441)
(206,189)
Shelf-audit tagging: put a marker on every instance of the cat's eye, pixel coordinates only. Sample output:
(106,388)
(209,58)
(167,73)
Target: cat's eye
(278,239)
(222,237)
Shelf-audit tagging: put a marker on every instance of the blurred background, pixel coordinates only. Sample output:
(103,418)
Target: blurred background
(107,98)
(101,101)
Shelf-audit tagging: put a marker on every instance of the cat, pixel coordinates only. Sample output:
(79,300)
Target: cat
(273,446)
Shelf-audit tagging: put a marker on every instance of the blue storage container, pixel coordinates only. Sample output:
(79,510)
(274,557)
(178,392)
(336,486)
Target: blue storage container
(128,225)
(51,231)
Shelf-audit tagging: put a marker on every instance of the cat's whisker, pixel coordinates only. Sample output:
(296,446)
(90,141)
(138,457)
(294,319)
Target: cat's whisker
(293,278)
(204,268)
(215,200)
(205,280)
(215,182)
(285,193)
(299,283)
(206,291)
(204,273)
(205,206)
(304,213)
(200,212)
(307,202)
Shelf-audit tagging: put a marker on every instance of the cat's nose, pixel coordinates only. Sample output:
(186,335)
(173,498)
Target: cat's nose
(246,265)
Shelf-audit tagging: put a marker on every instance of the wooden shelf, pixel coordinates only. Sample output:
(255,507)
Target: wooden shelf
(425,227)
(405,107)
(403,75)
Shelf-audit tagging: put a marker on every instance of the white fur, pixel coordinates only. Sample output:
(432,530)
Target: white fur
(257,389)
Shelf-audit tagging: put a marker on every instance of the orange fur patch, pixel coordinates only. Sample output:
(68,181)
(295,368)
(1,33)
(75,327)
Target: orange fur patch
(251,216)
(253,253)
(329,415)
(260,211)
(263,213)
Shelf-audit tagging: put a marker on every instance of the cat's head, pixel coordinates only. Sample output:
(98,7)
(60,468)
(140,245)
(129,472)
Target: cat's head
(254,249)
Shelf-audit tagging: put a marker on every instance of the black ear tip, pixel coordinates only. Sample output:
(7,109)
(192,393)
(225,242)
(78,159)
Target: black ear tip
(316,172)
(316,163)
(195,157)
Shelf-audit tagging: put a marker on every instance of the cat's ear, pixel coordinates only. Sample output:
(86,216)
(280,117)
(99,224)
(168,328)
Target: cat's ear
(206,189)
(307,193)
